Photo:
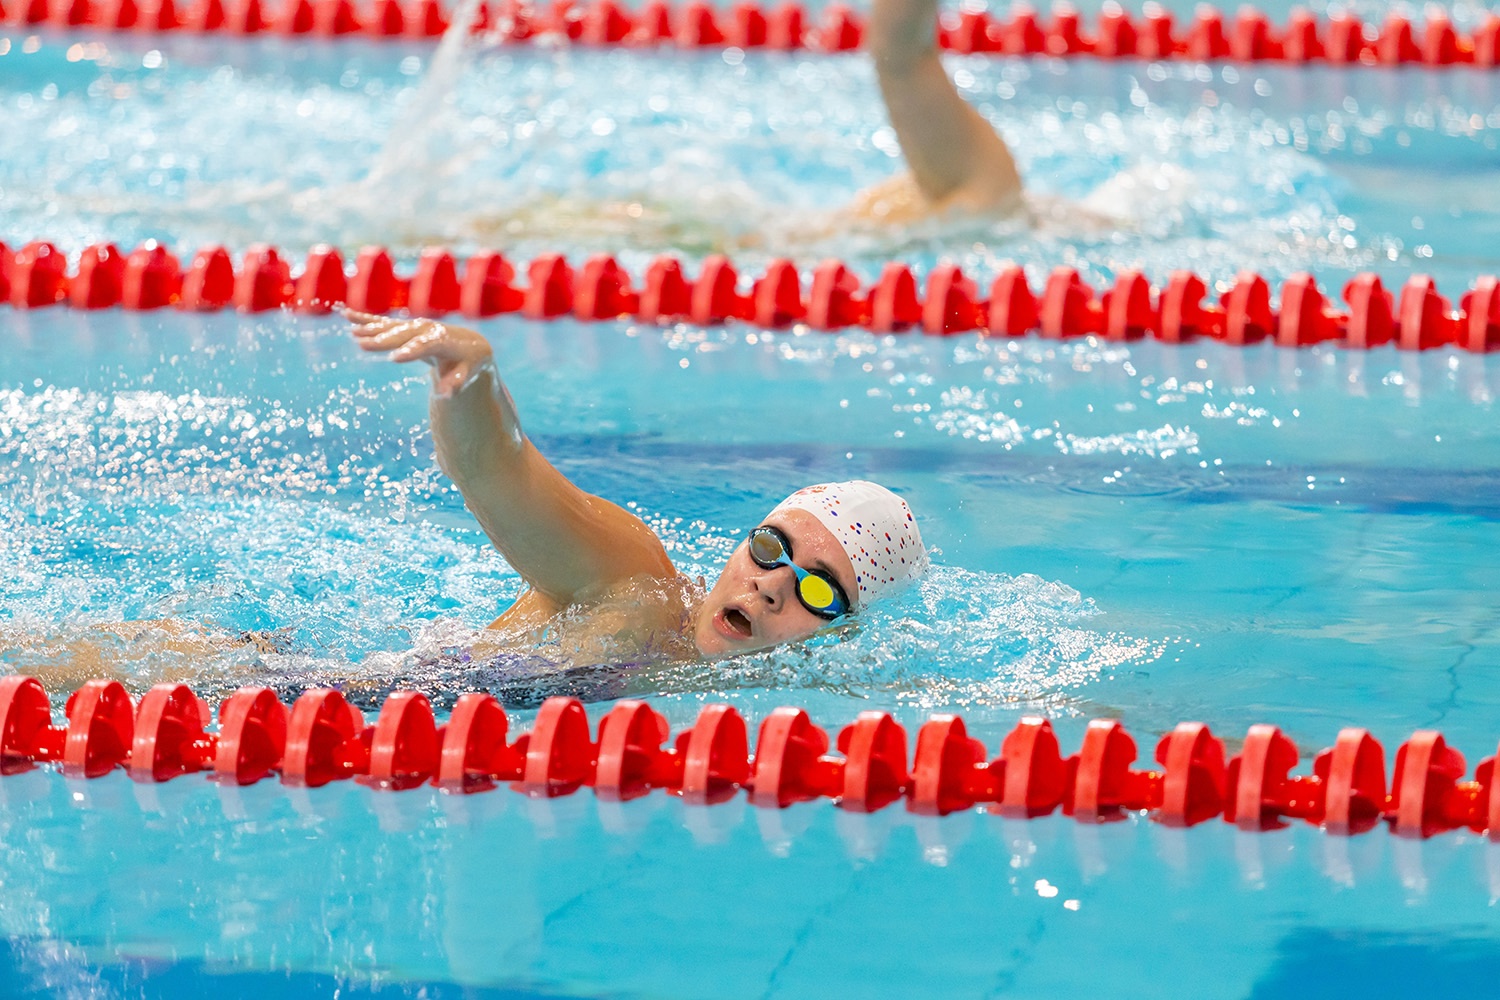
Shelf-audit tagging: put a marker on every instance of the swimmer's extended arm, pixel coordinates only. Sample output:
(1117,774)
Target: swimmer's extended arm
(566,543)
(956,157)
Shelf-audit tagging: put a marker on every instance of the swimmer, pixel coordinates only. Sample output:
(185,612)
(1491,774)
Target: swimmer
(597,577)
(600,588)
(961,179)
(957,163)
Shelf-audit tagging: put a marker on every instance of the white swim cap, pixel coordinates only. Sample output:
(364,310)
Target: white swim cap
(874,526)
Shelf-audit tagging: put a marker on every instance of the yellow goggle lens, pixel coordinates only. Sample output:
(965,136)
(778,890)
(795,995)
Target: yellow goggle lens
(816,591)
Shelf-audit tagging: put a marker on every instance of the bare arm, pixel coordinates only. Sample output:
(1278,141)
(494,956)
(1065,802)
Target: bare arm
(956,158)
(566,543)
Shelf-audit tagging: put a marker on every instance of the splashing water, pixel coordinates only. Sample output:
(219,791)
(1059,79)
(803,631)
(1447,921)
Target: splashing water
(546,147)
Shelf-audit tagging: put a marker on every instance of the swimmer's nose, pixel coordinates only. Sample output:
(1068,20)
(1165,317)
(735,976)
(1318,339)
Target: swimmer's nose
(772,588)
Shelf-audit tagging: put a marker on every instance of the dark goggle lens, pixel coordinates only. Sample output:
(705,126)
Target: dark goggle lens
(766,549)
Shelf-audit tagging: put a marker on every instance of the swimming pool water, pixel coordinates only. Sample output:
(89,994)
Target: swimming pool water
(1151,532)
(1218,169)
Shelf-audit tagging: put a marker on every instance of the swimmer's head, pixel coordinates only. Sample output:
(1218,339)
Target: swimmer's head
(857,537)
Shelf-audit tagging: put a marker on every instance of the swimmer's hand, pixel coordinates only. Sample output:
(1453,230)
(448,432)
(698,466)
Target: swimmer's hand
(457,354)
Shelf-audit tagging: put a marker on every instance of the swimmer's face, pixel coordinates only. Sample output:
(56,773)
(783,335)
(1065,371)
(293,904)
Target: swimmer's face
(751,608)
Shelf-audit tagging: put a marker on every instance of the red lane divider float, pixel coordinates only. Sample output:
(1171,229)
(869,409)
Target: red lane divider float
(322,738)
(1247,36)
(151,277)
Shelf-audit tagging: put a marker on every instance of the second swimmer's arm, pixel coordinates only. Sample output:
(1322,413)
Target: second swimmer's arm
(564,542)
(955,156)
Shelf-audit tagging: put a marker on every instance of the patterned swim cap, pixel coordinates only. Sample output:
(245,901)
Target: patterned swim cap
(874,526)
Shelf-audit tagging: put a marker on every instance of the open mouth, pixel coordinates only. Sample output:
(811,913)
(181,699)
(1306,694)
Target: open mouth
(736,622)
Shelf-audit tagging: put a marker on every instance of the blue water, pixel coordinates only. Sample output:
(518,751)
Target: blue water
(1147,532)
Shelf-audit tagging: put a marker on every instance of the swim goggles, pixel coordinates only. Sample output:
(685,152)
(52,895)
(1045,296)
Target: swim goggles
(818,592)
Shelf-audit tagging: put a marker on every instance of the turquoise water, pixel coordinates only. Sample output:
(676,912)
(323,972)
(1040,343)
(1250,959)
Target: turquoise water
(1150,532)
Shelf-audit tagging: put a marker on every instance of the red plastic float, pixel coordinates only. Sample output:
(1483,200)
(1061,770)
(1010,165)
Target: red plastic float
(841,30)
(487,289)
(1101,784)
(375,287)
(949,771)
(1249,36)
(169,738)
(666,294)
(434,290)
(833,303)
(1012,308)
(1301,42)
(1064,307)
(1023,34)
(153,278)
(1261,790)
(209,282)
(38,276)
(101,728)
(550,290)
(1425,793)
(1032,774)
(1344,41)
(892,304)
(1193,784)
(1423,320)
(474,754)
(1247,311)
(322,283)
(264,281)
(714,298)
(1305,317)
(631,758)
(1353,776)
(776,299)
(790,762)
(786,28)
(1128,311)
(603,290)
(605,23)
(1183,316)
(325,739)
(951,304)
(874,772)
(559,756)
(101,272)
(715,756)
(1479,329)
(150,277)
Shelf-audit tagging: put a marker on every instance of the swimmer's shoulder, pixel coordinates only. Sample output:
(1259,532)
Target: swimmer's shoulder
(643,610)
(898,201)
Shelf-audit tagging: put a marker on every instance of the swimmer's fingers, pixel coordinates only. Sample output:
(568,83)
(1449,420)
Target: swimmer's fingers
(432,345)
(393,336)
(366,324)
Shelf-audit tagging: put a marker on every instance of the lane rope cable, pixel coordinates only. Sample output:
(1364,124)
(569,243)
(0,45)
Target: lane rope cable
(949,302)
(1249,36)
(322,738)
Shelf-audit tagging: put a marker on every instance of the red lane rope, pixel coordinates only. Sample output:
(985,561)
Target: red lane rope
(1249,36)
(322,738)
(151,277)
